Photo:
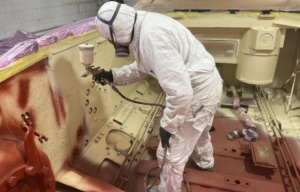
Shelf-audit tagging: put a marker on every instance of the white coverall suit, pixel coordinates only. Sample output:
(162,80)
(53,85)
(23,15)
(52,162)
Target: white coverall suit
(166,50)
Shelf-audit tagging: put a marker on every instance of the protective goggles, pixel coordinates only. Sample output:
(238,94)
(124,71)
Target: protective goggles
(121,51)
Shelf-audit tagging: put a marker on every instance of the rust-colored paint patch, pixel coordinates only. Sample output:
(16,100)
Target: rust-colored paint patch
(5,87)
(54,105)
(58,105)
(9,127)
(298,165)
(23,97)
(39,67)
(15,96)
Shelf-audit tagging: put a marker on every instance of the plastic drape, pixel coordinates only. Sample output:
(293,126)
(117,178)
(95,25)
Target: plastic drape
(14,39)
(76,28)
(61,35)
(21,43)
(20,50)
(46,40)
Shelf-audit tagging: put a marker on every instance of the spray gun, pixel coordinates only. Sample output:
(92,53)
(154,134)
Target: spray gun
(86,55)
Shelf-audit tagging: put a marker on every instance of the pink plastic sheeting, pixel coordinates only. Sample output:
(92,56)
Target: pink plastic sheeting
(78,27)
(61,35)
(89,26)
(14,39)
(46,40)
(19,51)
(15,47)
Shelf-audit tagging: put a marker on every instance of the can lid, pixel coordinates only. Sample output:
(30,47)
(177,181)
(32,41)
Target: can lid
(86,46)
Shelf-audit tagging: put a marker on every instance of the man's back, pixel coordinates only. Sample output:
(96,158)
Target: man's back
(159,32)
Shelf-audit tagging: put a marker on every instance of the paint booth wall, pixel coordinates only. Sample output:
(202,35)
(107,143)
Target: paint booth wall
(42,15)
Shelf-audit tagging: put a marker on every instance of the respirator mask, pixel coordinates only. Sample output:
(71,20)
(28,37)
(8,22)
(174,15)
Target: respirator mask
(121,51)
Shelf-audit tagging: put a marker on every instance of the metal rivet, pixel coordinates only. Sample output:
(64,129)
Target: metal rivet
(87,92)
(102,133)
(93,84)
(118,153)
(90,110)
(96,141)
(99,137)
(107,148)
(95,110)
(86,142)
(87,102)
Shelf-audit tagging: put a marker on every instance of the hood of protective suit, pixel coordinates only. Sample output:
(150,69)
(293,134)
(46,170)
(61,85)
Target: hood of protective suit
(122,24)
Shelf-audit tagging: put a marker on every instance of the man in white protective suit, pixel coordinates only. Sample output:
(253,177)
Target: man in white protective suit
(166,50)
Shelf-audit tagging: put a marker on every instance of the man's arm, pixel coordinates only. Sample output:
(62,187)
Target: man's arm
(127,74)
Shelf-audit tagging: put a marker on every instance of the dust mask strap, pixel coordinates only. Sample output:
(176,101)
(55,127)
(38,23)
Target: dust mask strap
(121,51)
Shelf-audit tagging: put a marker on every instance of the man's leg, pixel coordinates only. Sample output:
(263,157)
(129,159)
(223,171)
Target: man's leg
(203,151)
(181,147)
